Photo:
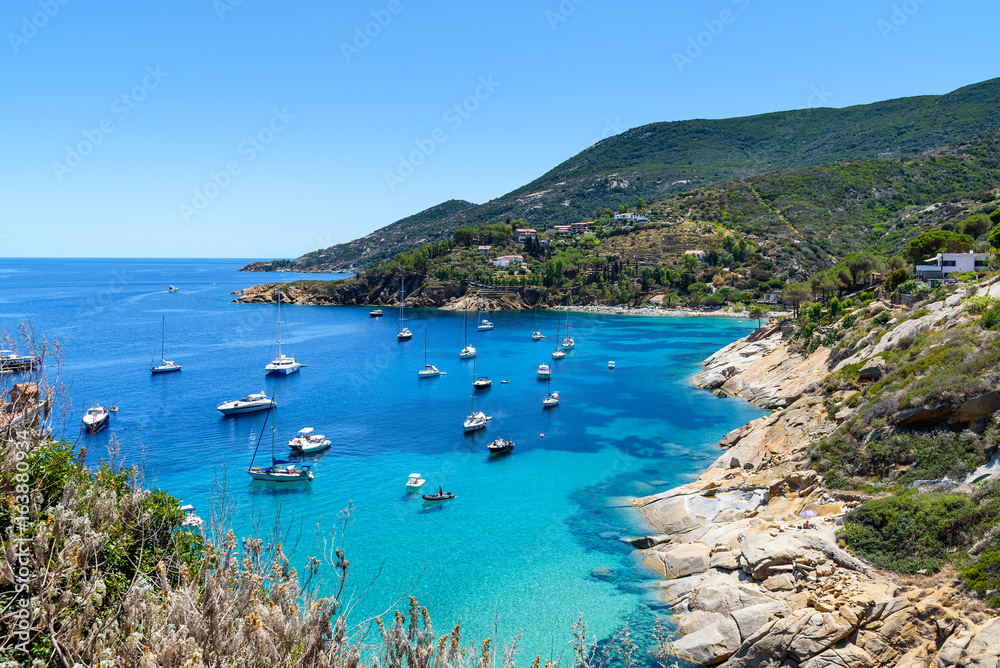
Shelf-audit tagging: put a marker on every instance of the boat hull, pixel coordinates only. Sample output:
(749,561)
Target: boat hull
(91,427)
(281,371)
(163,369)
(267,476)
(249,408)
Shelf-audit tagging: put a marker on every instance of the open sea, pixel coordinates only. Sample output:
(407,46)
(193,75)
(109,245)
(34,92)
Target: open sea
(532,539)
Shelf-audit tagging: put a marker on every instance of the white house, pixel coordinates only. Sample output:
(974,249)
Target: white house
(630,218)
(507,260)
(943,264)
(523,235)
(700,254)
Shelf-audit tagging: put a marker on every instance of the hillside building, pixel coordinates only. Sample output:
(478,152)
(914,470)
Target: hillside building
(943,264)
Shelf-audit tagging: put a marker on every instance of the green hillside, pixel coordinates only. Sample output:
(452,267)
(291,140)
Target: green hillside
(655,161)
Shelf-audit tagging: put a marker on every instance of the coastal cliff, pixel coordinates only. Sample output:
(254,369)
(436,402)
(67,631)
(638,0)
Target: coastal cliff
(371,289)
(750,580)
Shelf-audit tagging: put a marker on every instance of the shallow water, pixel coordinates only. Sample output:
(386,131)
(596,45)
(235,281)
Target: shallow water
(532,539)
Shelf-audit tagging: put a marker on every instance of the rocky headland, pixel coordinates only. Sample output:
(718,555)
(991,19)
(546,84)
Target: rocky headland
(751,580)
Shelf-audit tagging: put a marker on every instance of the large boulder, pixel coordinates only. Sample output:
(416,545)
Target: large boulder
(873,369)
(750,619)
(924,416)
(976,409)
(984,650)
(710,644)
(678,561)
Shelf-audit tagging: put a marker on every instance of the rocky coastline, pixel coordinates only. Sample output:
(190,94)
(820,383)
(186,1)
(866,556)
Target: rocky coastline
(450,296)
(752,581)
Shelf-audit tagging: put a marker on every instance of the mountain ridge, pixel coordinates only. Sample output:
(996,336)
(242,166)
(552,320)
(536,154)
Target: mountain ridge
(659,159)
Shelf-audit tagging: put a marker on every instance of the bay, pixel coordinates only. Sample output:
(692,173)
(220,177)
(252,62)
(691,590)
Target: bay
(531,540)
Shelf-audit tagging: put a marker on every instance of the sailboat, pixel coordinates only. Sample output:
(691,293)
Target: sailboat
(279,470)
(558,354)
(429,370)
(568,342)
(552,398)
(475,421)
(484,324)
(467,351)
(165,365)
(536,335)
(404,332)
(282,365)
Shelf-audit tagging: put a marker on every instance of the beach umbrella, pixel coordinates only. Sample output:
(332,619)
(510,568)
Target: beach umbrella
(808,513)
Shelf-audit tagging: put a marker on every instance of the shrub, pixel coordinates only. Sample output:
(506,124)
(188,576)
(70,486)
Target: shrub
(991,319)
(910,532)
(984,576)
(914,287)
(896,279)
(978,304)
(881,319)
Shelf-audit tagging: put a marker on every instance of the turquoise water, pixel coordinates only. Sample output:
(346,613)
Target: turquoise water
(532,539)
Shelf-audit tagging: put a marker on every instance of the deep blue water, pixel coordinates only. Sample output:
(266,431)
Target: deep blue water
(524,536)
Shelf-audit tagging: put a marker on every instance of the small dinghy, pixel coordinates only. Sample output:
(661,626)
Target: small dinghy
(440,496)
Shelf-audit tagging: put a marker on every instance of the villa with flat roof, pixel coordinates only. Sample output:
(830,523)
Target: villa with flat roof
(943,264)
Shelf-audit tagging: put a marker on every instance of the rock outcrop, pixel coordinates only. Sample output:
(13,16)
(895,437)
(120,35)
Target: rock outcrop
(753,584)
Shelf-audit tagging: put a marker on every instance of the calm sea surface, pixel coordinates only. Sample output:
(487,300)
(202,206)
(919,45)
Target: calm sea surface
(531,540)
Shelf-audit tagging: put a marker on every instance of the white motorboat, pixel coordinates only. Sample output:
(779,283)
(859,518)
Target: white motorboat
(482,383)
(11,361)
(468,352)
(474,421)
(377,313)
(172,288)
(248,404)
(96,418)
(282,364)
(414,482)
(306,441)
(279,470)
(191,518)
(404,333)
(165,365)
(429,370)
(611,364)
(544,372)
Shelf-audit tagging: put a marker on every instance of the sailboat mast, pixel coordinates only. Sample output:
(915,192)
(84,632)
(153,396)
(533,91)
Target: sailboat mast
(163,327)
(279,325)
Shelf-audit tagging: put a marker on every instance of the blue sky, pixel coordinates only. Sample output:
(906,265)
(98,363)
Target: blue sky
(245,128)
